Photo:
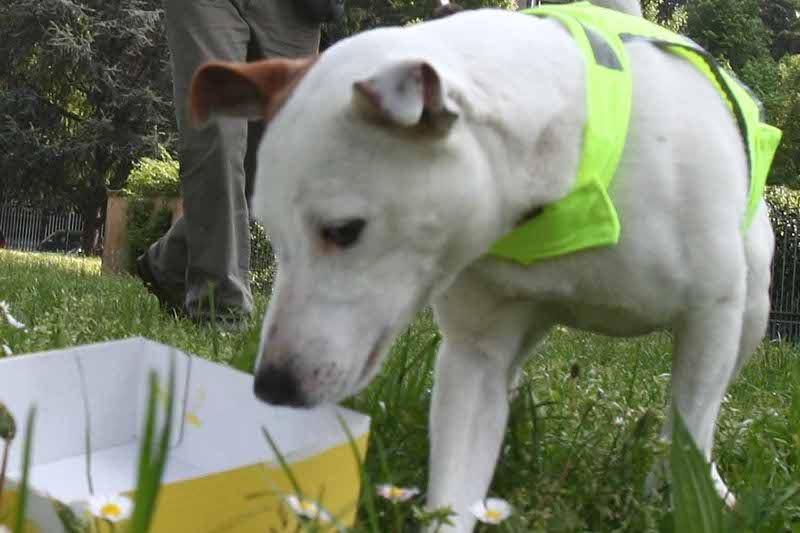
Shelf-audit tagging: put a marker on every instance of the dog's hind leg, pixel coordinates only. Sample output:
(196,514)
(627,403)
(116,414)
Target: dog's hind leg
(759,248)
(706,350)
(470,409)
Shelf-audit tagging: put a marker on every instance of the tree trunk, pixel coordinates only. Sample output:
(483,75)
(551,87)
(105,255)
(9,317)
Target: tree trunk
(91,227)
(91,204)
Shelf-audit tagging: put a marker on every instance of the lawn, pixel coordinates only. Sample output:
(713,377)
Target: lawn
(584,420)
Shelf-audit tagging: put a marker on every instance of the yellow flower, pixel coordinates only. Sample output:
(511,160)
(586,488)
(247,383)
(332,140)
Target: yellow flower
(397,494)
(307,509)
(113,508)
(491,510)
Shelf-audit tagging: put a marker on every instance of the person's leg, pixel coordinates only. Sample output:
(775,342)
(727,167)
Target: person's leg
(279,30)
(210,243)
(276,31)
(255,130)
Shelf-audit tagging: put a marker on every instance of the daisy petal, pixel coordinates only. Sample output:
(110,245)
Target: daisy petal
(307,509)
(491,510)
(397,494)
(113,508)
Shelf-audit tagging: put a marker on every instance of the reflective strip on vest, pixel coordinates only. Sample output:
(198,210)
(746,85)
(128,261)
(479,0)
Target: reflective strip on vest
(586,217)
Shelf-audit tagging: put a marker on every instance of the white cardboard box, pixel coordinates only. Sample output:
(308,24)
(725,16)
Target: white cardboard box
(221,473)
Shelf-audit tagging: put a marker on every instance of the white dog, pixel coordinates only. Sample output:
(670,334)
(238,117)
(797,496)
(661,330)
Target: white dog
(393,162)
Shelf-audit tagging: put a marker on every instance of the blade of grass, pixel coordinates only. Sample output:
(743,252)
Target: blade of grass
(146,449)
(366,482)
(283,464)
(151,467)
(315,524)
(22,503)
(387,475)
(8,430)
(87,426)
(3,466)
(214,332)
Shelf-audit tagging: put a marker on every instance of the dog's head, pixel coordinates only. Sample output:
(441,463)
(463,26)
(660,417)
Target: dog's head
(365,180)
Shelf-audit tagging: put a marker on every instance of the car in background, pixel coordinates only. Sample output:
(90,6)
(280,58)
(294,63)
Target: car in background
(62,241)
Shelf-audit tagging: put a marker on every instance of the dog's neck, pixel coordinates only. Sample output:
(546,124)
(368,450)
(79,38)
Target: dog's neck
(528,102)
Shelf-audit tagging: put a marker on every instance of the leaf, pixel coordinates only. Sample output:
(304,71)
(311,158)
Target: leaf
(697,507)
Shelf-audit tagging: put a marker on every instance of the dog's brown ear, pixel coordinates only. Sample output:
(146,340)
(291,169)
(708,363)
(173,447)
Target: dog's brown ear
(249,90)
(407,94)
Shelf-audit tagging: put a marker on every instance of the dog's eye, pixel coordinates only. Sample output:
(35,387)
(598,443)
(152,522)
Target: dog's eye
(343,234)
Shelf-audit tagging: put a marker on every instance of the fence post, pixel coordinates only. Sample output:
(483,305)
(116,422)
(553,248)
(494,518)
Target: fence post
(115,243)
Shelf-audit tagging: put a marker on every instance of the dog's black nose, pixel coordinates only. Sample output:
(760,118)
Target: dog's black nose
(278,386)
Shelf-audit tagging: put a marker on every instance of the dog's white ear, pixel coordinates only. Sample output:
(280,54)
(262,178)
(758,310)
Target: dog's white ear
(406,94)
(249,90)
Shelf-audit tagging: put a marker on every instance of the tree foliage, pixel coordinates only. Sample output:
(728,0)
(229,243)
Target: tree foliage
(758,40)
(85,86)
(84,92)
(366,14)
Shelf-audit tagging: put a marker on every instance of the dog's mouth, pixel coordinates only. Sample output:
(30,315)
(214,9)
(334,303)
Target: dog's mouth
(374,355)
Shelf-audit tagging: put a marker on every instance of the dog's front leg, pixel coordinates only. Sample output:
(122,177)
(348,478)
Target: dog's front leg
(468,417)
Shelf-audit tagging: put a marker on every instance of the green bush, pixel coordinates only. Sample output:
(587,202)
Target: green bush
(262,259)
(149,179)
(155,177)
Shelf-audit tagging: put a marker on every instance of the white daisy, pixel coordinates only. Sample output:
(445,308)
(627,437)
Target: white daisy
(307,509)
(397,494)
(13,322)
(491,510)
(114,508)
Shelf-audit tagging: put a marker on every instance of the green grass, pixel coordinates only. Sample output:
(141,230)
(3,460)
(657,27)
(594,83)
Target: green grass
(65,301)
(583,425)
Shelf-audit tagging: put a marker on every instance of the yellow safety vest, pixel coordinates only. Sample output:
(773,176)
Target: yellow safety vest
(586,217)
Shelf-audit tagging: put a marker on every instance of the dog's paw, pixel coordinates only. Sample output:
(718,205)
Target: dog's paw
(658,479)
(722,489)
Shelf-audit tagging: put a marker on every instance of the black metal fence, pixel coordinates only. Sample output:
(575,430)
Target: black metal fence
(784,320)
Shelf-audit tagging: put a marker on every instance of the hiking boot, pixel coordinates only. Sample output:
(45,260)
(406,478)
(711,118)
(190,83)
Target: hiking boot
(170,300)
